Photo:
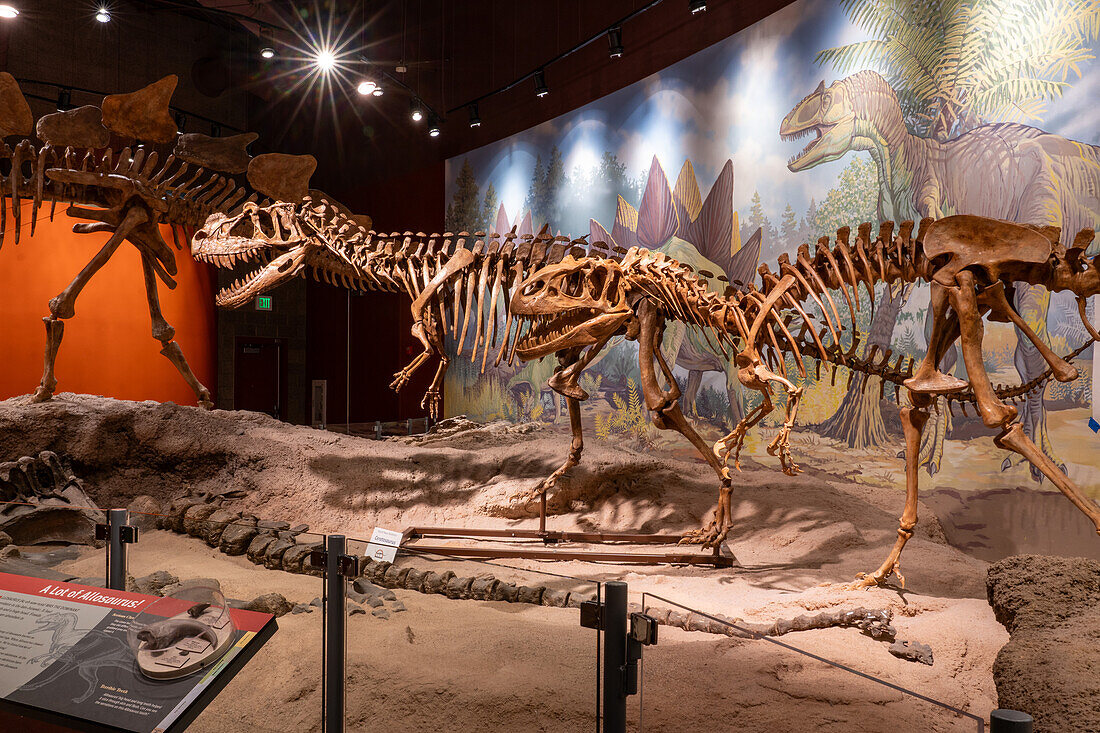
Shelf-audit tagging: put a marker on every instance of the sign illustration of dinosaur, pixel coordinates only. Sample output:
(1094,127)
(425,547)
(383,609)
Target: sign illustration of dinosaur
(459,284)
(573,308)
(87,159)
(1039,179)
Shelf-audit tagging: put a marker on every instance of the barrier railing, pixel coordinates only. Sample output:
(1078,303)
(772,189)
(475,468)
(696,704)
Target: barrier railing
(373,638)
(484,645)
(803,689)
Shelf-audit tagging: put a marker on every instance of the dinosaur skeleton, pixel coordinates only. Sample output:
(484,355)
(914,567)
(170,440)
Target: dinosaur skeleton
(86,160)
(459,284)
(573,308)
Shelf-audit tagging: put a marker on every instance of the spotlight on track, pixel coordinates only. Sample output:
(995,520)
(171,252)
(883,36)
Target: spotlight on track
(433,129)
(367,87)
(615,43)
(103,15)
(417,112)
(267,52)
(541,90)
(697,6)
(8,11)
(475,118)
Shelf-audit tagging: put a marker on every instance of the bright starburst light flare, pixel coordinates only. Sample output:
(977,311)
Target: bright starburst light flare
(322,61)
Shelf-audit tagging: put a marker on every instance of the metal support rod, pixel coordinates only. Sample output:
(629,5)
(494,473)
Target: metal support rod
(1010,721)
(333,681)
(378,430)
(614,657)
(116,549)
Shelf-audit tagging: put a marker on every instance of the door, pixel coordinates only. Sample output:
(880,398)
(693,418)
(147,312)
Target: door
(259,382)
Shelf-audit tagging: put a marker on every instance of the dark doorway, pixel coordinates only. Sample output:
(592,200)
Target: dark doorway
(259,376)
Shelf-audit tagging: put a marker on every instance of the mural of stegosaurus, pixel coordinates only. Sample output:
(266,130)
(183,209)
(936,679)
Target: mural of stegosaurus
(702,233)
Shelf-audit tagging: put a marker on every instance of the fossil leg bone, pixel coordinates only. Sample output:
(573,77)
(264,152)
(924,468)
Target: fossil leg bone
(64,305)
(912,423)
(666,413)
(164,333)
(1014,439)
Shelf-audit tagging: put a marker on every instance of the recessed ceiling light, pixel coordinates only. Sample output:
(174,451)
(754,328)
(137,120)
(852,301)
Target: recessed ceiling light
(325,60)
(103,15)
(8,11)
(267,52)
(366,87)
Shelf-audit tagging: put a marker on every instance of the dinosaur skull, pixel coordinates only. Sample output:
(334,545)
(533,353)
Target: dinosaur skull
(572,304)
(270,235)
(829,114)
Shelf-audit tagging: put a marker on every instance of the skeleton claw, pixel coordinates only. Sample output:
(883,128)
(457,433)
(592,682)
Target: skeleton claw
(400,379)
(713,535)
(41,394)
(866,580)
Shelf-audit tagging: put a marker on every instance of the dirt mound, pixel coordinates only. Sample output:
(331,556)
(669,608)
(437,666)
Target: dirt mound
(1051,607)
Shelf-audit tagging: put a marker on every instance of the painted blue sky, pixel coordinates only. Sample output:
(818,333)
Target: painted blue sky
(726,101)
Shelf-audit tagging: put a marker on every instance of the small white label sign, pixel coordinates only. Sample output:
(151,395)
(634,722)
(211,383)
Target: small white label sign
(383,544)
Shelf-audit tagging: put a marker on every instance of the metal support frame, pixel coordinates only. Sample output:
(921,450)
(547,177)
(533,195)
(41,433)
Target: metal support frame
(117,533)
(613,622)
(338,567)
(623,639)
(412,537)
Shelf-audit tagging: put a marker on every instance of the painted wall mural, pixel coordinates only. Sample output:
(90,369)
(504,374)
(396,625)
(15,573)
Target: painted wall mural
(826,114)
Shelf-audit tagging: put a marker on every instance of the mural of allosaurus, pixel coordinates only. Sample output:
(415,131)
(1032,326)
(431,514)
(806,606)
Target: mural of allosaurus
(87,158)
(1004,171)
(571,309)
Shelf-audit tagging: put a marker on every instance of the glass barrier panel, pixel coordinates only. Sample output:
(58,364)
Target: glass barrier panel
(38,538)
(710,673)
(445,643)
(199,557)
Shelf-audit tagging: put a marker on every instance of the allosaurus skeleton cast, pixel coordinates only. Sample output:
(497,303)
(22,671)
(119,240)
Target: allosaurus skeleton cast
(569,298)
(972,264)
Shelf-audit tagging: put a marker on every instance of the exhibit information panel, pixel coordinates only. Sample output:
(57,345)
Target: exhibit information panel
(122,660)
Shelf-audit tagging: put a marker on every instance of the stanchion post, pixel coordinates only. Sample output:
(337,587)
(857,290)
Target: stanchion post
(1010,721)
(335,610)
(614,657)
(117,533)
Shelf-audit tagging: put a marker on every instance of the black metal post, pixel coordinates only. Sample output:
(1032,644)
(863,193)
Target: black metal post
(116,548)
(1010,721)
(333,682)
(614,657)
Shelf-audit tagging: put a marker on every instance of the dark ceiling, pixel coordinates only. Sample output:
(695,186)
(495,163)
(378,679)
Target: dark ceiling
(456,51)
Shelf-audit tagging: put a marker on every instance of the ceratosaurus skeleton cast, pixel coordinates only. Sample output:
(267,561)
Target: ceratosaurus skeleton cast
(459,284)
(89,159)
(972,264)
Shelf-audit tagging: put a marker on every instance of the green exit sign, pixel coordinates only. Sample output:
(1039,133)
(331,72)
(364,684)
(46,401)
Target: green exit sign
(263,302)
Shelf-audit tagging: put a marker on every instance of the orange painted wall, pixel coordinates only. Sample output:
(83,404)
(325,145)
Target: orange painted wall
(108,348)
